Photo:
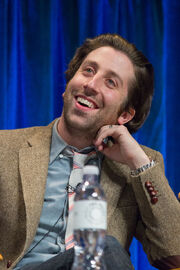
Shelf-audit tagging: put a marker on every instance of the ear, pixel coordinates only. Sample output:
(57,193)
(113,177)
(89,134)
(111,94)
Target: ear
(63,94)
(126,116)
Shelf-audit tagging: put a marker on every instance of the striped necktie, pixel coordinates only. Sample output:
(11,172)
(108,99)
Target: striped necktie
(79,160)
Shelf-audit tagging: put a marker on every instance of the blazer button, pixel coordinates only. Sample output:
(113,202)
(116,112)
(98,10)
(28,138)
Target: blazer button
(153,193)
(154,200)
(150,189)
(9,264)
(148,184)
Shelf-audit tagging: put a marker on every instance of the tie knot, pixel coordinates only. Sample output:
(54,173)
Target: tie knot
(79,159)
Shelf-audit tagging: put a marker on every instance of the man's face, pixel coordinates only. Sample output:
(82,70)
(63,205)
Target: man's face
(94,96)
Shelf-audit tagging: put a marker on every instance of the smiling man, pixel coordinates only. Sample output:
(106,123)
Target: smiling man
(95,95)
(108,94)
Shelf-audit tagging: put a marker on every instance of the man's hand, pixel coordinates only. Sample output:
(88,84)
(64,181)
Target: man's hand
(124,149)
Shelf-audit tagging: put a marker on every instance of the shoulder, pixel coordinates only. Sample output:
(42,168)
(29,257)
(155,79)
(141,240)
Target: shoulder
(15,137)
(18,135)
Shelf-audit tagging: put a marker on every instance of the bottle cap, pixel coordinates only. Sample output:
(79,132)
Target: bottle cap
(91,169)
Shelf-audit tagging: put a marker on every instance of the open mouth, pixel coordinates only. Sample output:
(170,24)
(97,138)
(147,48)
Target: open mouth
(86,102)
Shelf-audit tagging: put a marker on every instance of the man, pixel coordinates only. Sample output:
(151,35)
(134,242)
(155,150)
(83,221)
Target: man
(108,95)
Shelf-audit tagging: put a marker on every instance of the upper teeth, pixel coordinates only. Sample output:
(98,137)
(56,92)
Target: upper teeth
(85,102)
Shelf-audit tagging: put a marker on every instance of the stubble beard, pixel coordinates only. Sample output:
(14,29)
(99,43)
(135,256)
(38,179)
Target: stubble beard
(86,127)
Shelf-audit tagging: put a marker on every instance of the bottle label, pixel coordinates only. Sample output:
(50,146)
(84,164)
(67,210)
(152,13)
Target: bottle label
(90,214)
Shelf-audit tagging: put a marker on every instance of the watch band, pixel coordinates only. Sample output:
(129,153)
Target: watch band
(143,168)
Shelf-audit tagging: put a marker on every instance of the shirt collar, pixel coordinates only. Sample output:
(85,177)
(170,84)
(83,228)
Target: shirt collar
(58,145)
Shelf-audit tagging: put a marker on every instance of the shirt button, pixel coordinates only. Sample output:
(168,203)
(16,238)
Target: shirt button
(61,155)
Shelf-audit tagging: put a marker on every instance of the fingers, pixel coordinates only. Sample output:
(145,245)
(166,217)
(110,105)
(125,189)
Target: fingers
(103,134)
(111,132)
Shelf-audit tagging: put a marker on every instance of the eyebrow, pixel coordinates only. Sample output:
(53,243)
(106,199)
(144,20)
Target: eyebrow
(109,72)
(87,62)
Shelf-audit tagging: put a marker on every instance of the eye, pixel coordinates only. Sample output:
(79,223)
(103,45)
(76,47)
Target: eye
(88,70)
(111,83)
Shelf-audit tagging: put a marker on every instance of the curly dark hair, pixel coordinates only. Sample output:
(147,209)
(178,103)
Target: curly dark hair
(141,88)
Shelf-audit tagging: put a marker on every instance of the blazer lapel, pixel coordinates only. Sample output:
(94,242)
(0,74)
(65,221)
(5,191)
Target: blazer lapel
(33,166)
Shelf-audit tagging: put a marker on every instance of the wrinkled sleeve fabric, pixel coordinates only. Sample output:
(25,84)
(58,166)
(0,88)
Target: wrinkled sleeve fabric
(158,228)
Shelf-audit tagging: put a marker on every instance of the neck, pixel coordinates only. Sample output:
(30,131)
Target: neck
(72,136)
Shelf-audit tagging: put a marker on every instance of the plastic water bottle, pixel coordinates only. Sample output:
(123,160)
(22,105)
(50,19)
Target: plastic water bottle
(90,222)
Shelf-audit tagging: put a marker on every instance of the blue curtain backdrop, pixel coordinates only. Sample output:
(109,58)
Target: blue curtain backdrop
(39,37)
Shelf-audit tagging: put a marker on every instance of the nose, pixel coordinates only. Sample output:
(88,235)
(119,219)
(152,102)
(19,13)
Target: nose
(92,85)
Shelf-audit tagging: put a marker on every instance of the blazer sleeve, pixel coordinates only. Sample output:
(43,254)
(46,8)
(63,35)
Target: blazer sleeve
(158,228)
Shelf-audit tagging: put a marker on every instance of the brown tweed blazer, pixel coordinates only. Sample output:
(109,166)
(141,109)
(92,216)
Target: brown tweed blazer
(24,157)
